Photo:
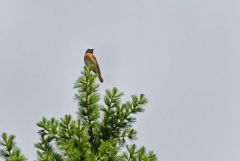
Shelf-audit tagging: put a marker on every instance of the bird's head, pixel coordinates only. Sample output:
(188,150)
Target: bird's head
(89,51)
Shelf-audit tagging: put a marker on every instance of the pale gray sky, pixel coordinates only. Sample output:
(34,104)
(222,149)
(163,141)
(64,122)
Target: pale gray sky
(184,55)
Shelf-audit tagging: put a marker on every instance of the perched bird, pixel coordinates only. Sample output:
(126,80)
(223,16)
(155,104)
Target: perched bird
(90,59)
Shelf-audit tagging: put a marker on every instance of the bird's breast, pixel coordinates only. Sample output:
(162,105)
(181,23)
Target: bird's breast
(89,59)
(87,62)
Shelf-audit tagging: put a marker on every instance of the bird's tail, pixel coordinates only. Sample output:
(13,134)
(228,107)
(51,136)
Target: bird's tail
(100,78)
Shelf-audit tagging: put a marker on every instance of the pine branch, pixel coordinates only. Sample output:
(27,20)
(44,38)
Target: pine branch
(118,118)
(69,137)
(135,154)
(9,151)
(88,99)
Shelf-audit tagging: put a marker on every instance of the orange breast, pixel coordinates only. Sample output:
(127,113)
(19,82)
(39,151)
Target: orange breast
(88,58)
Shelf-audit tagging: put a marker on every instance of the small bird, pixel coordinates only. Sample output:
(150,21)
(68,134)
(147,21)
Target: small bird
(90,59)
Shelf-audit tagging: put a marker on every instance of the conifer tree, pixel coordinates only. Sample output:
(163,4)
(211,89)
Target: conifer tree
(99,133)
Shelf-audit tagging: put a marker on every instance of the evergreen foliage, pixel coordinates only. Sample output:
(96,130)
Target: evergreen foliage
(9,150)
(99,133)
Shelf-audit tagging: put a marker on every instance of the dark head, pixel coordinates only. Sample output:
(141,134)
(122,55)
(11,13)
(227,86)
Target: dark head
(89,51)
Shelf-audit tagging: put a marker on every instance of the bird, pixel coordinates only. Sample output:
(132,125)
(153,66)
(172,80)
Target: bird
(90,59)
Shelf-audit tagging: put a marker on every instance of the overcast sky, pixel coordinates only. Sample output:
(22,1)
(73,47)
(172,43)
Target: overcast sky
(183,55)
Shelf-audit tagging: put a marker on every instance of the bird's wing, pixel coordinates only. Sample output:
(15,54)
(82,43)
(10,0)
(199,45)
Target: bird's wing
(98,69)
